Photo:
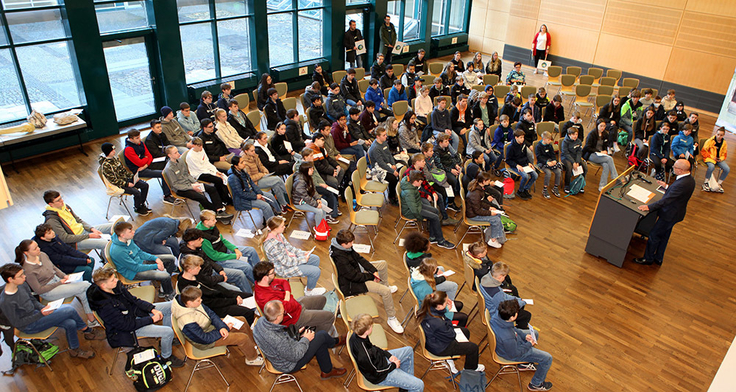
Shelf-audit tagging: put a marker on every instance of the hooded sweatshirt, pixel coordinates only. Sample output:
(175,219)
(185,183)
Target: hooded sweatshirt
(494,293)
(174,132)
(353,270)
(681,144)
(190,124)
(511,342)
(282,351)
(129,259)
(114,171)
(215,245)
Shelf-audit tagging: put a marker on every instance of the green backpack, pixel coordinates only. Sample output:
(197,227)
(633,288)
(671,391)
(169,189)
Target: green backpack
(508,225)
(23,354)
(576,185)
(623,138)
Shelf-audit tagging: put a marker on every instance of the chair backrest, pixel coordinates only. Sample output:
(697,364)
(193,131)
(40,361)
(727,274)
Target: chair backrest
(605,90)
(385,93)
(362,166)
(630,82)
(526,90)
(582,90)
(400,108)
(243,101)
(554,71)
(614,73)
(481,299)
(349,198)
(359,73)
(468,274)
(289,103)
(624,91)
(601,100)
(586,79)
(255,118)
(255,95)
(447,98)
(501,91)
(338,75)
(427,80)
(595,72)
(337,286)
(654,92)
(567,80)
(607,81)
(398,69)
(165,177)
(436,68)
(478,87)
(415,307)
(573,70)
(289,186)
(363,85)
(545,126)
(490,79)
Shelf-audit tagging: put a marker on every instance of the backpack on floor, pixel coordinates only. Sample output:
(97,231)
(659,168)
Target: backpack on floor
(508,225)
(577,184)
(472,381)
(623,138)
(24,355)
(147,369)
(322,231)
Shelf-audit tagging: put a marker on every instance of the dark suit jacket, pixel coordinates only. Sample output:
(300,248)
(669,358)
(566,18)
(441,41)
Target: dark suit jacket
(673,206)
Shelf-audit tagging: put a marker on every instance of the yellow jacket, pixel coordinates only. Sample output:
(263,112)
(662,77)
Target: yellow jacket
(708,151)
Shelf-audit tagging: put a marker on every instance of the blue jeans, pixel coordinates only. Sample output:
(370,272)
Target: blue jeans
(449,287)
(250,254)
(240,265)
(319,213)
(527,179)
(95,243)
(403,377)
(87,269)
(311,270)
(712,166)
(171,245)
(608,166)
(160,331)
(66,318)
(277,185)
(164,277)
(356,150)
(78,289)
(265,209)
(543,360)
(496,228)
(237,278)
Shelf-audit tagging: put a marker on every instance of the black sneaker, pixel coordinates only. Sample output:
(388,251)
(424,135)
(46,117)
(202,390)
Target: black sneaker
(224,215)
(453,207)
(394,202)
(545,386)
(556,192)
(545,193)
(567,189)
(169,200)
(175,362)
(524,195)
(142,211)
(331,220)
(446,244)
(432,240)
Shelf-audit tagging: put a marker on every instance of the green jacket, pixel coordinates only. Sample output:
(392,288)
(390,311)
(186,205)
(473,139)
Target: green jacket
(209,248)
(388,36)
(411,201)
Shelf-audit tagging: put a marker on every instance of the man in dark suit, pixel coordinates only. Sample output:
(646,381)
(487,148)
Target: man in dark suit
(670,209)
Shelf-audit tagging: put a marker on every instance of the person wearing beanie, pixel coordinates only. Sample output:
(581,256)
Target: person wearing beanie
(174,132)
(117,177)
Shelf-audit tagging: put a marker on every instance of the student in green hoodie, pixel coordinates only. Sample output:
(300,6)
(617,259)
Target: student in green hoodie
(412,208)
(217,248)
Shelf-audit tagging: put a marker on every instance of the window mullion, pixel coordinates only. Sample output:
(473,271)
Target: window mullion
(402,12)
(215,40)
(14,59)
(295,36)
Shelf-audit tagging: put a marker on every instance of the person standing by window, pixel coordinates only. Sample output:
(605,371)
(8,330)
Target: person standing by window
(388,38)
(349,39)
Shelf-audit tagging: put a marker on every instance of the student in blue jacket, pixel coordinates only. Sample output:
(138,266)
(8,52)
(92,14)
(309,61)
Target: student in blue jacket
(397,93)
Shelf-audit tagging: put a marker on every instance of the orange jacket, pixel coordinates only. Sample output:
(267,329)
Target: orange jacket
(708,151)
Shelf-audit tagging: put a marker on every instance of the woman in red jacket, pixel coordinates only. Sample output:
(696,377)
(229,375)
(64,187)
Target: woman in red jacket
(540,45)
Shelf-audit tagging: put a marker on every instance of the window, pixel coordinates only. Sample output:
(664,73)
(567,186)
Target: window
(406,16)
(215,30)
(449,17)
(294,31)
(36,67)
(438,17)
(456,22)
(120,16)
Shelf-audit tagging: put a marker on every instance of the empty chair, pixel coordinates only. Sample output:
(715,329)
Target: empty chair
(366,200)
(586,79)
(567,82)
(289,103)
(553,75)
(630,82)
(478,87)
(582,91)
(400,108)
(282,88)
(427,80)
(573,70)
(596,73)
(605,90)
(243,101)
(398,69)
(490,79)
(607,81)
(255,118)
(436,69)
(362,218)
(614,73)
(500,93)
(359,73)
(624,91)
(525,91)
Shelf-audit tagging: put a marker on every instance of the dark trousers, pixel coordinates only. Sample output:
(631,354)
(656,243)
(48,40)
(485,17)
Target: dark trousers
(219,186)
(568,170)
(216,203)
(658,238)
(387,54)
(318,348)
(468,349)
(139,192)
(460,317)
(432,216)
(658,165)
(541,54)
(331,199)
(150,173)
(523,319)
(392,181)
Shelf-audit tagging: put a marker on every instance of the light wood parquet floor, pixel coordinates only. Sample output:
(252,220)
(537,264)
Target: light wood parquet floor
(637,328)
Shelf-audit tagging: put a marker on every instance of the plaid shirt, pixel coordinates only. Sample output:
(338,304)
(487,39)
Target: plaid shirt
(425,190)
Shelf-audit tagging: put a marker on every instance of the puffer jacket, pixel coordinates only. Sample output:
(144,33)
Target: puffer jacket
(200,325)
(121,312)
(243,188)
(64,257)
(411,201)
(114,171)
(439,331)
(254,167)
(476,203)
(348,263)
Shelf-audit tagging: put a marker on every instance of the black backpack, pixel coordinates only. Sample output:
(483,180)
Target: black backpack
(149,373)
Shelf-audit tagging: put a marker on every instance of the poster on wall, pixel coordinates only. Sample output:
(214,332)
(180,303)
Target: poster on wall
(727,116)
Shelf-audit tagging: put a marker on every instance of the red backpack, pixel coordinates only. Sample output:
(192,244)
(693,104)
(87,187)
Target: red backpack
(322,231)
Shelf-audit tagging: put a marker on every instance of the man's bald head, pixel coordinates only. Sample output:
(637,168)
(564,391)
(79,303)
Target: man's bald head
(682,165)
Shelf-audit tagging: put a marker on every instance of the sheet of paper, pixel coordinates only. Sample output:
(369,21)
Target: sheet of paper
(288,146)
(362,248)
(638,193)
(498,184)
(143,356)
(325,207)
(344,160)
(450,192)
(237,324)
(460,336)
(578,171)
(361,142)
(600,154)
(528,301)
(106,237)
(135,178)
(333,190)
(249,303)
(318,155)
(399,165)
(528,169)
(300,235)
(56,304)
(245,233)
(533,333)
(360,45)
(116,217)
(466,246)
(159,159)
(448,273)
(401,242)
(75,277)
(452,307)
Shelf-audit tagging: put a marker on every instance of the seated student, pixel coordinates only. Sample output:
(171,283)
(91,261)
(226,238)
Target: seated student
(659,152)
(492,99)
(219,249)
(610,114)
(430,196)
(374,95)
(447,159)
(356,129)
(277,164)
(542,100)
(290,261)
(320,185)
(159,235)
(306,311)
(247,195)
(234,279)
(187,186)
(381,156)
(134,264)
(576,122)
(502,135)
(448,75)
(554,111)
(343,140)
(64,257)
(440,332)
(532,106)
(288,355)
(645,127)
(70,228)
(238,120)
(328,168)
(378,68)
(423,106)
(323,78)
(388,78)
(428,277)
(461,118)
(516,76)
(630,111)
(187,119)
(480,207)
(514,344)
(316,113)
(517,158)
(49,282)
(659,112)
(203,170)
(470,76)
(173,131)
(225,96)
(325,128)
(222,301)
(458,89)
(714,154)
(217,152)
(473,168)
(494,65)
(409,77)
(294,130)
(279,144)
(512,109)
(261,175)
(646,100)
(683,145)
(206,108)
(412,208)
(494,293)
(571,154)
(442,123)
(414,91)
(393,368)
(274,110)
(438,89)
(204,329)
(26,314)
(480,140)
(595,151)
(350,90)
(671,121)
(476,257)
(547,162)
(397,93)
(305,196)
(311,91)
(356,275)
(226,132)
(139,157)
(126,317)
(265,84)
(669,101)
(484,110)
(457,62)
(409,134)
(117,175)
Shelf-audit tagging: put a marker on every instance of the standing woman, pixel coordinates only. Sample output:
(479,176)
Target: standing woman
(540,46)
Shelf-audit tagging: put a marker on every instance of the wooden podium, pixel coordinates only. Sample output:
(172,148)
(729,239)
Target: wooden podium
(617,216)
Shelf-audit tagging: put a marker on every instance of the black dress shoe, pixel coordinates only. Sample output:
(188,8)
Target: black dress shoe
(643,261)
(658,262)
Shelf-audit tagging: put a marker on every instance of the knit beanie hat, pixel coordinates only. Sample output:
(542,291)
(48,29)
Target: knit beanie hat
(165,111)
(106,148)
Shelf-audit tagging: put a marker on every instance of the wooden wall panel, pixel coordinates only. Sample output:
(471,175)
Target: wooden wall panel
(499,5)
(492,45)
(581,48)
(713,7)
(496,25)
(475,43)
(705,33)
(477,21)
(520,31)
(633,55)
(641,21)
(708,72)
(525,8)
(586,14)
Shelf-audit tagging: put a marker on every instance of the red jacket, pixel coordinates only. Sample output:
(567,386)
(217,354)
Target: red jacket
(342,137)
(277,290)
(534,43)
(133,157)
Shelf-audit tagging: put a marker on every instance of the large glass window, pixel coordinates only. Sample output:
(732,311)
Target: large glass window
(215,30)
(456,23)
(37,70)
(130,77)
(406,16)
(120,16)
(449,17)
(438,17)
(294,30)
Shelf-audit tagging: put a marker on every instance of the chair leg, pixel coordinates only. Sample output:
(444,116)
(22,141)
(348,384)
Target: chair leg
(401,231)
(403,295)
(406,319)
(107,213)
(349,378)
(460,290)
(255,228)
(463,237)
(125,205)
(114,360)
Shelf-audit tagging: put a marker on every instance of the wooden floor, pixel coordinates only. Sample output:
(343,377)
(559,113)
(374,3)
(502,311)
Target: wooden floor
(637,328)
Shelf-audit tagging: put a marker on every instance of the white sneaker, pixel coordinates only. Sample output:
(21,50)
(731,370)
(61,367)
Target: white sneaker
(256,362)
(395,324)
(315,291)
(451,364)
(93,324)
(616,148)
(480,368)
(494,244)
(393,289)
